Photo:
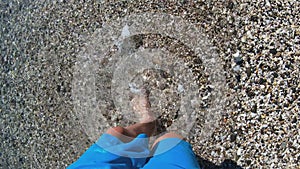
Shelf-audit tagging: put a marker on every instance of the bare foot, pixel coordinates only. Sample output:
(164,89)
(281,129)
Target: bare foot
(141,105)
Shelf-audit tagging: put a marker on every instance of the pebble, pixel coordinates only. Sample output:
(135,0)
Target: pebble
(238,60)
(258,40)
(180,88)
(239,152)
(237,68)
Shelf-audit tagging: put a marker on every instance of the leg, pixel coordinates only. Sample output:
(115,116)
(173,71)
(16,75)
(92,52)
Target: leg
(115,155)
(126,134)
(146,124)
(167,135)
(170,151)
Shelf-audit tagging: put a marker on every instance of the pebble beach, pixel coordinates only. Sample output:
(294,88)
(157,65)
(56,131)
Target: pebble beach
(258,44)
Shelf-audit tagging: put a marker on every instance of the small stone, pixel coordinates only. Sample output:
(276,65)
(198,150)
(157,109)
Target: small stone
(237,68)
(239,152)
(273,51)
(125,31)
(230,5)
(248,71)
(233,137)
(180,88)
(238,60)
(237,54)
(244,39)
(294,120)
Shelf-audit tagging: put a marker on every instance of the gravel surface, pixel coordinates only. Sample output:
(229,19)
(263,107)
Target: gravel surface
(257,41)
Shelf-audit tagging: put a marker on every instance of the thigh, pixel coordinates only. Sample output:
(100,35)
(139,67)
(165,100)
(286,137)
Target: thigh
(172,153)
(111,153)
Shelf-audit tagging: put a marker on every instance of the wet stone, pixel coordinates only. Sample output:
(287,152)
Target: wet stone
(41,40)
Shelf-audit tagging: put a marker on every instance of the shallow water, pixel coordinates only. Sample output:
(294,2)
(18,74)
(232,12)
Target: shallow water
(60,88)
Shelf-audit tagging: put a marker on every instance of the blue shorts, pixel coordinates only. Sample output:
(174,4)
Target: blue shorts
(111,153)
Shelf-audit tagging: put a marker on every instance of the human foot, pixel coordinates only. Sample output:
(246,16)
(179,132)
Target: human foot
(141,105)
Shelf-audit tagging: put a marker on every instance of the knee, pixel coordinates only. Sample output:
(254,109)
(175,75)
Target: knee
(167,135)
(171,135)
(115,130)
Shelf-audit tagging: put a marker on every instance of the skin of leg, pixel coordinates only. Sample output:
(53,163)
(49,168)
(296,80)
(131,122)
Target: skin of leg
(165,136)
(127,134)
(138,128)
(147,125)
(120,133)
